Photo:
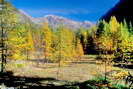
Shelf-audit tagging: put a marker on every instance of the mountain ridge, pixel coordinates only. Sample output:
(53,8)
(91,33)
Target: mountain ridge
(54,21)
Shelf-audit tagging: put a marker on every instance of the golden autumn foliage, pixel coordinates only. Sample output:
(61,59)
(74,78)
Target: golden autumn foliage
(65,44)
(79,49)
(1,1)
(47,40)
(56,45)
(104,43)
(114,38)
(64,47)
(30,41)
(114,25)
(20,41)
(17,46)
(118,74)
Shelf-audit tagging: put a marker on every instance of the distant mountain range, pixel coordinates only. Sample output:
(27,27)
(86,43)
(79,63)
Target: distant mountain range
(53,20)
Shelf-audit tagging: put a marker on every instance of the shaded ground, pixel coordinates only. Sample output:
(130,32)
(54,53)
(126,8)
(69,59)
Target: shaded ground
(26,82)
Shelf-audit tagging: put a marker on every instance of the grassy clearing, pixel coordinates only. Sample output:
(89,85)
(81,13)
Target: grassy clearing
(83,70)
(80,71)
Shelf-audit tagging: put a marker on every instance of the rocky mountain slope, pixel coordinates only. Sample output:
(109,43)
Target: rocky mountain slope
(53,20)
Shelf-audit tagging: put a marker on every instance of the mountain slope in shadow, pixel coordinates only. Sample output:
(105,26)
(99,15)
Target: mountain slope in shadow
(122,11)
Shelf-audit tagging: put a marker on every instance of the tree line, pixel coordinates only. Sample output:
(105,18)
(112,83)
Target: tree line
(26,41)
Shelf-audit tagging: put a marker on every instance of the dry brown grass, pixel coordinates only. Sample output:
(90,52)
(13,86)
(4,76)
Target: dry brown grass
(77,71)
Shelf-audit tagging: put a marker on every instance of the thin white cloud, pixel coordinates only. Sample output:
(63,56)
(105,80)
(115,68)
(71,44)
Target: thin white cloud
(57,11)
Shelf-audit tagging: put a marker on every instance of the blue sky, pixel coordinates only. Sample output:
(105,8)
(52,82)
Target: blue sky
(79,10)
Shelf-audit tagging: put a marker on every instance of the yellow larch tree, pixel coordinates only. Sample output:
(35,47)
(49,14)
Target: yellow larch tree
(47,41)
(114,25)
(29,45)
(79,49)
